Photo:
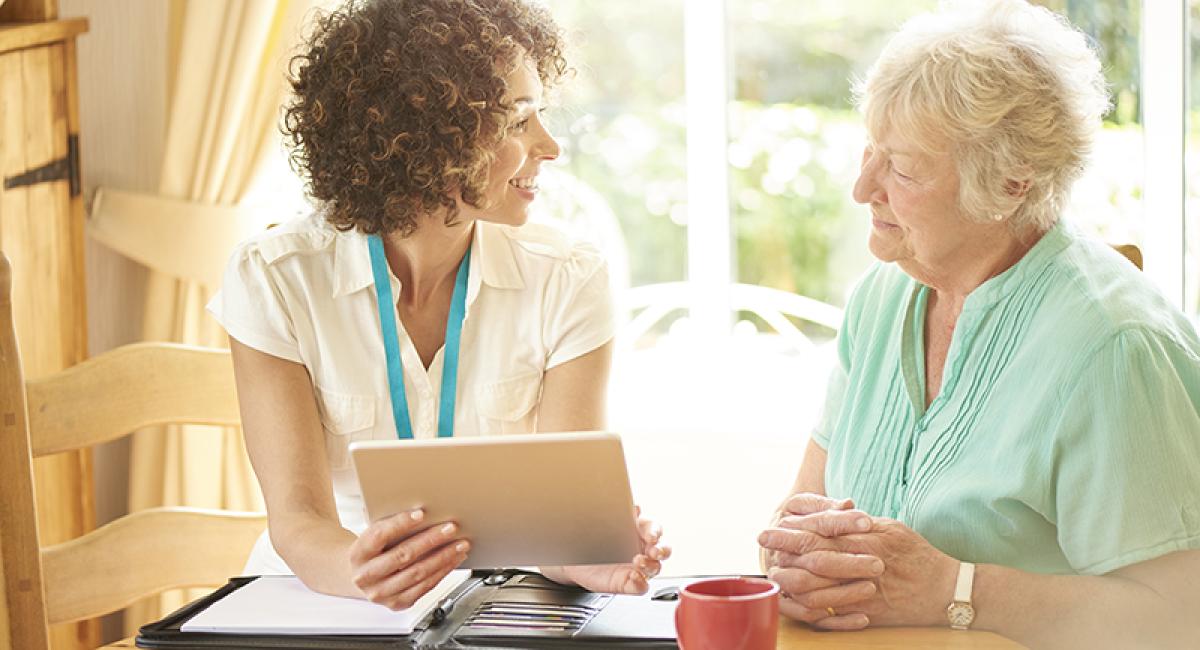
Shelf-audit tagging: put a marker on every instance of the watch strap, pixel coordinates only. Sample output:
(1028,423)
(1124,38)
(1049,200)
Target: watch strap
(966,580)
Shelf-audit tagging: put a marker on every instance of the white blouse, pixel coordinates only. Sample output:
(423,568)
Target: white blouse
(303,292)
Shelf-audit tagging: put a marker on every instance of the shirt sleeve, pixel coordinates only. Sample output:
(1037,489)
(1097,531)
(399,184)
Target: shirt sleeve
(839,375)
(1127,455)
(251,308)
(835,393)
(579,313)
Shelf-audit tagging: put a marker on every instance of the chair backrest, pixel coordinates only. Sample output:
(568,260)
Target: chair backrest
(1131,253)
(655,302)
(137,555)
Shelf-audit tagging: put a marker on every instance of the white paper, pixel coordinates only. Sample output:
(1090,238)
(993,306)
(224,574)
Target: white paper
(283,605)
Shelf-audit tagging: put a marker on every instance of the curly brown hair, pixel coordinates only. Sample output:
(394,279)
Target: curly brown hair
(399,104)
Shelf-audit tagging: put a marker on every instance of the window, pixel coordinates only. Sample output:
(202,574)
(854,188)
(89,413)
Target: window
(620,122)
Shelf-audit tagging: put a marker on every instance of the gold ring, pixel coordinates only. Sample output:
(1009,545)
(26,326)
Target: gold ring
(831,612)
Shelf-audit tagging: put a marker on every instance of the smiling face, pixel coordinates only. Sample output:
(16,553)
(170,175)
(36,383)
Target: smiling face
(512,176)
(913,195)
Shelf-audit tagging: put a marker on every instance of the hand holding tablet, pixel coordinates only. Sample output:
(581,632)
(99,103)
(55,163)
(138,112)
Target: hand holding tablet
(627,578)
(398,559)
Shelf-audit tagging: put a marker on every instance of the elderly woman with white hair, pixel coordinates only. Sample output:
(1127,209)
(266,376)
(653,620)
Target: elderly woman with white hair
(1011,439)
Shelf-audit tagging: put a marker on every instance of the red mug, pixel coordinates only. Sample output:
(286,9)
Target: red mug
(728,614)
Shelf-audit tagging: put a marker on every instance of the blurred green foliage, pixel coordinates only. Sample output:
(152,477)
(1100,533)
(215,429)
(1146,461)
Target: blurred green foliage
(794,135)
(621,122)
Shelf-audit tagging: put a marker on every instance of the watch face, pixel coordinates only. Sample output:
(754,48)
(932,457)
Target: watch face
(960,614)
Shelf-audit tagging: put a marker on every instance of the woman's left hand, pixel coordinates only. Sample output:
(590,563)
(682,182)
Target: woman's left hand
(915,587)
(620,578)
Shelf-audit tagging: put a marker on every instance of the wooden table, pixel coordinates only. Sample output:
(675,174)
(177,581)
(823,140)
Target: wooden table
(794,636)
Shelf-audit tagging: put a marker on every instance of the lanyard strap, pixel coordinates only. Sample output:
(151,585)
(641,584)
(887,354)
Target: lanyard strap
(391,343)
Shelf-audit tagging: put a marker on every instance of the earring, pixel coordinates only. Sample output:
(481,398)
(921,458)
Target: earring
(998,217)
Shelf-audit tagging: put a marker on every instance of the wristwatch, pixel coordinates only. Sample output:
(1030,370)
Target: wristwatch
(960,612)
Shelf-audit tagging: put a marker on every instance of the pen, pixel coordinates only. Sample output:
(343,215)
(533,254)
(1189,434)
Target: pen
(443,609)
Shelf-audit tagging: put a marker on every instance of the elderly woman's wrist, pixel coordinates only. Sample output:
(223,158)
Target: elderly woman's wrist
(942,592)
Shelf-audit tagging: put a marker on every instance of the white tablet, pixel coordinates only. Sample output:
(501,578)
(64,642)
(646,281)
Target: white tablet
(542,499)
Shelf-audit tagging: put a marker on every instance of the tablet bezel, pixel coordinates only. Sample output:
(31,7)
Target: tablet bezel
(540,499)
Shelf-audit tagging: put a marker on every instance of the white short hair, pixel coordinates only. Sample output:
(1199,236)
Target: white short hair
(1012,91)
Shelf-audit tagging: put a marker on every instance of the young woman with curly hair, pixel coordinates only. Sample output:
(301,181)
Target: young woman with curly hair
(416,125)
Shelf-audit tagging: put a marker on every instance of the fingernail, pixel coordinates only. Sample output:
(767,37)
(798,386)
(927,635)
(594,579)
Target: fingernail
(762,538)
(462,547)
(417,515)
(862,524)
(447,529)
(877,567)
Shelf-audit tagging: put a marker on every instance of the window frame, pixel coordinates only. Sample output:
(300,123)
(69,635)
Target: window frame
(710,239)
(1164,123)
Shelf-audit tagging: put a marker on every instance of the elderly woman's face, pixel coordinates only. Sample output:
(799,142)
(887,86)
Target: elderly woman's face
(913,198)
(512,177)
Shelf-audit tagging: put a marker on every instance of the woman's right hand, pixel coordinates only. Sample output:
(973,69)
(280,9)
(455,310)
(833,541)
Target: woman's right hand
(396,560)
(796,544)
(807,503)
(801,503)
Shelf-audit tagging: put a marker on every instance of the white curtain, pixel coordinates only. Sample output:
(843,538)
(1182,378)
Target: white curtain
(225,87)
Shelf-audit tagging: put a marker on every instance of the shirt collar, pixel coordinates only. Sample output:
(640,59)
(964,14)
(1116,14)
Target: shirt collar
(493,261)
(1058,237)
(351,263)
(495,250)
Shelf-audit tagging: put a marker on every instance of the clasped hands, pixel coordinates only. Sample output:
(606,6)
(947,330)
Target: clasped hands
(841,569)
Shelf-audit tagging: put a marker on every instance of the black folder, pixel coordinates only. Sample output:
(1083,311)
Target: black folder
(492,609)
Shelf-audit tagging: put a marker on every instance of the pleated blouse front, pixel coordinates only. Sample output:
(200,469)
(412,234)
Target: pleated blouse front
(1065,437)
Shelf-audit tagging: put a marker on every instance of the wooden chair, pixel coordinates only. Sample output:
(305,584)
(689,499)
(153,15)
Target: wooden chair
(1131,253)
(140,554)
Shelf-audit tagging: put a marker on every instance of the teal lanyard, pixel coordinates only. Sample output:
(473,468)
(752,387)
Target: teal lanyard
(391,343)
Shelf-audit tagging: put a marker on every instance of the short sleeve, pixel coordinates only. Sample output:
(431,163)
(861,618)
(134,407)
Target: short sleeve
(578,313)
(251,308)
(839,375)
(835,394)
(1127,455)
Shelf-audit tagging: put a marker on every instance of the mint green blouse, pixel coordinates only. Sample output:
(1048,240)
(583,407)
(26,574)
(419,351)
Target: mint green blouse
(1066,434)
